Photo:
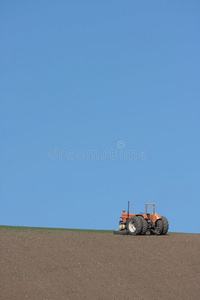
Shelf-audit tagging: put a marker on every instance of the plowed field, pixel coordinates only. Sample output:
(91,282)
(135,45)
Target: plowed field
(62,264)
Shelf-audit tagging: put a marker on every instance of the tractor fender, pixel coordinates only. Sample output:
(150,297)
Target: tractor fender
(156,217)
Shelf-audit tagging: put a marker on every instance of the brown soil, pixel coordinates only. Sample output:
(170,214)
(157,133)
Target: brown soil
(56,264)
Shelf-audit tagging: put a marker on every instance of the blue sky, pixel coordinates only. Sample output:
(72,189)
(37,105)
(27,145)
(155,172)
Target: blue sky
(83,83)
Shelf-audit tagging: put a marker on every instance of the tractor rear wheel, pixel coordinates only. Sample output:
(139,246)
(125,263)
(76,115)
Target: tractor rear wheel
(159,227)
(144,225)
(165,225)
(134,226)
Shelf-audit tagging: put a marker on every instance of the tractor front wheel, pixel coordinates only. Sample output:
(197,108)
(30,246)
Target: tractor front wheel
(134,226)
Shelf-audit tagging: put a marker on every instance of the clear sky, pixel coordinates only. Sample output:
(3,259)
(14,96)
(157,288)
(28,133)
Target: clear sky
(100,104)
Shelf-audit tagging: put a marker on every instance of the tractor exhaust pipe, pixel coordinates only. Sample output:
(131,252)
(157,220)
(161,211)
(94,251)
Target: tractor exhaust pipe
(128,209)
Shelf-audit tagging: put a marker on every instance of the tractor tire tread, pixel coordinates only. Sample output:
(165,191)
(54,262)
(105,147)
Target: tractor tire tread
(159,227)
(165,225)
(144,225)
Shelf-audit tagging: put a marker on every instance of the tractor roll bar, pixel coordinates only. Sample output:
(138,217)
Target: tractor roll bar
(146,204)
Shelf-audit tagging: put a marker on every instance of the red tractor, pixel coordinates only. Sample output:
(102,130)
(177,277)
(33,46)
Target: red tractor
(140,224)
